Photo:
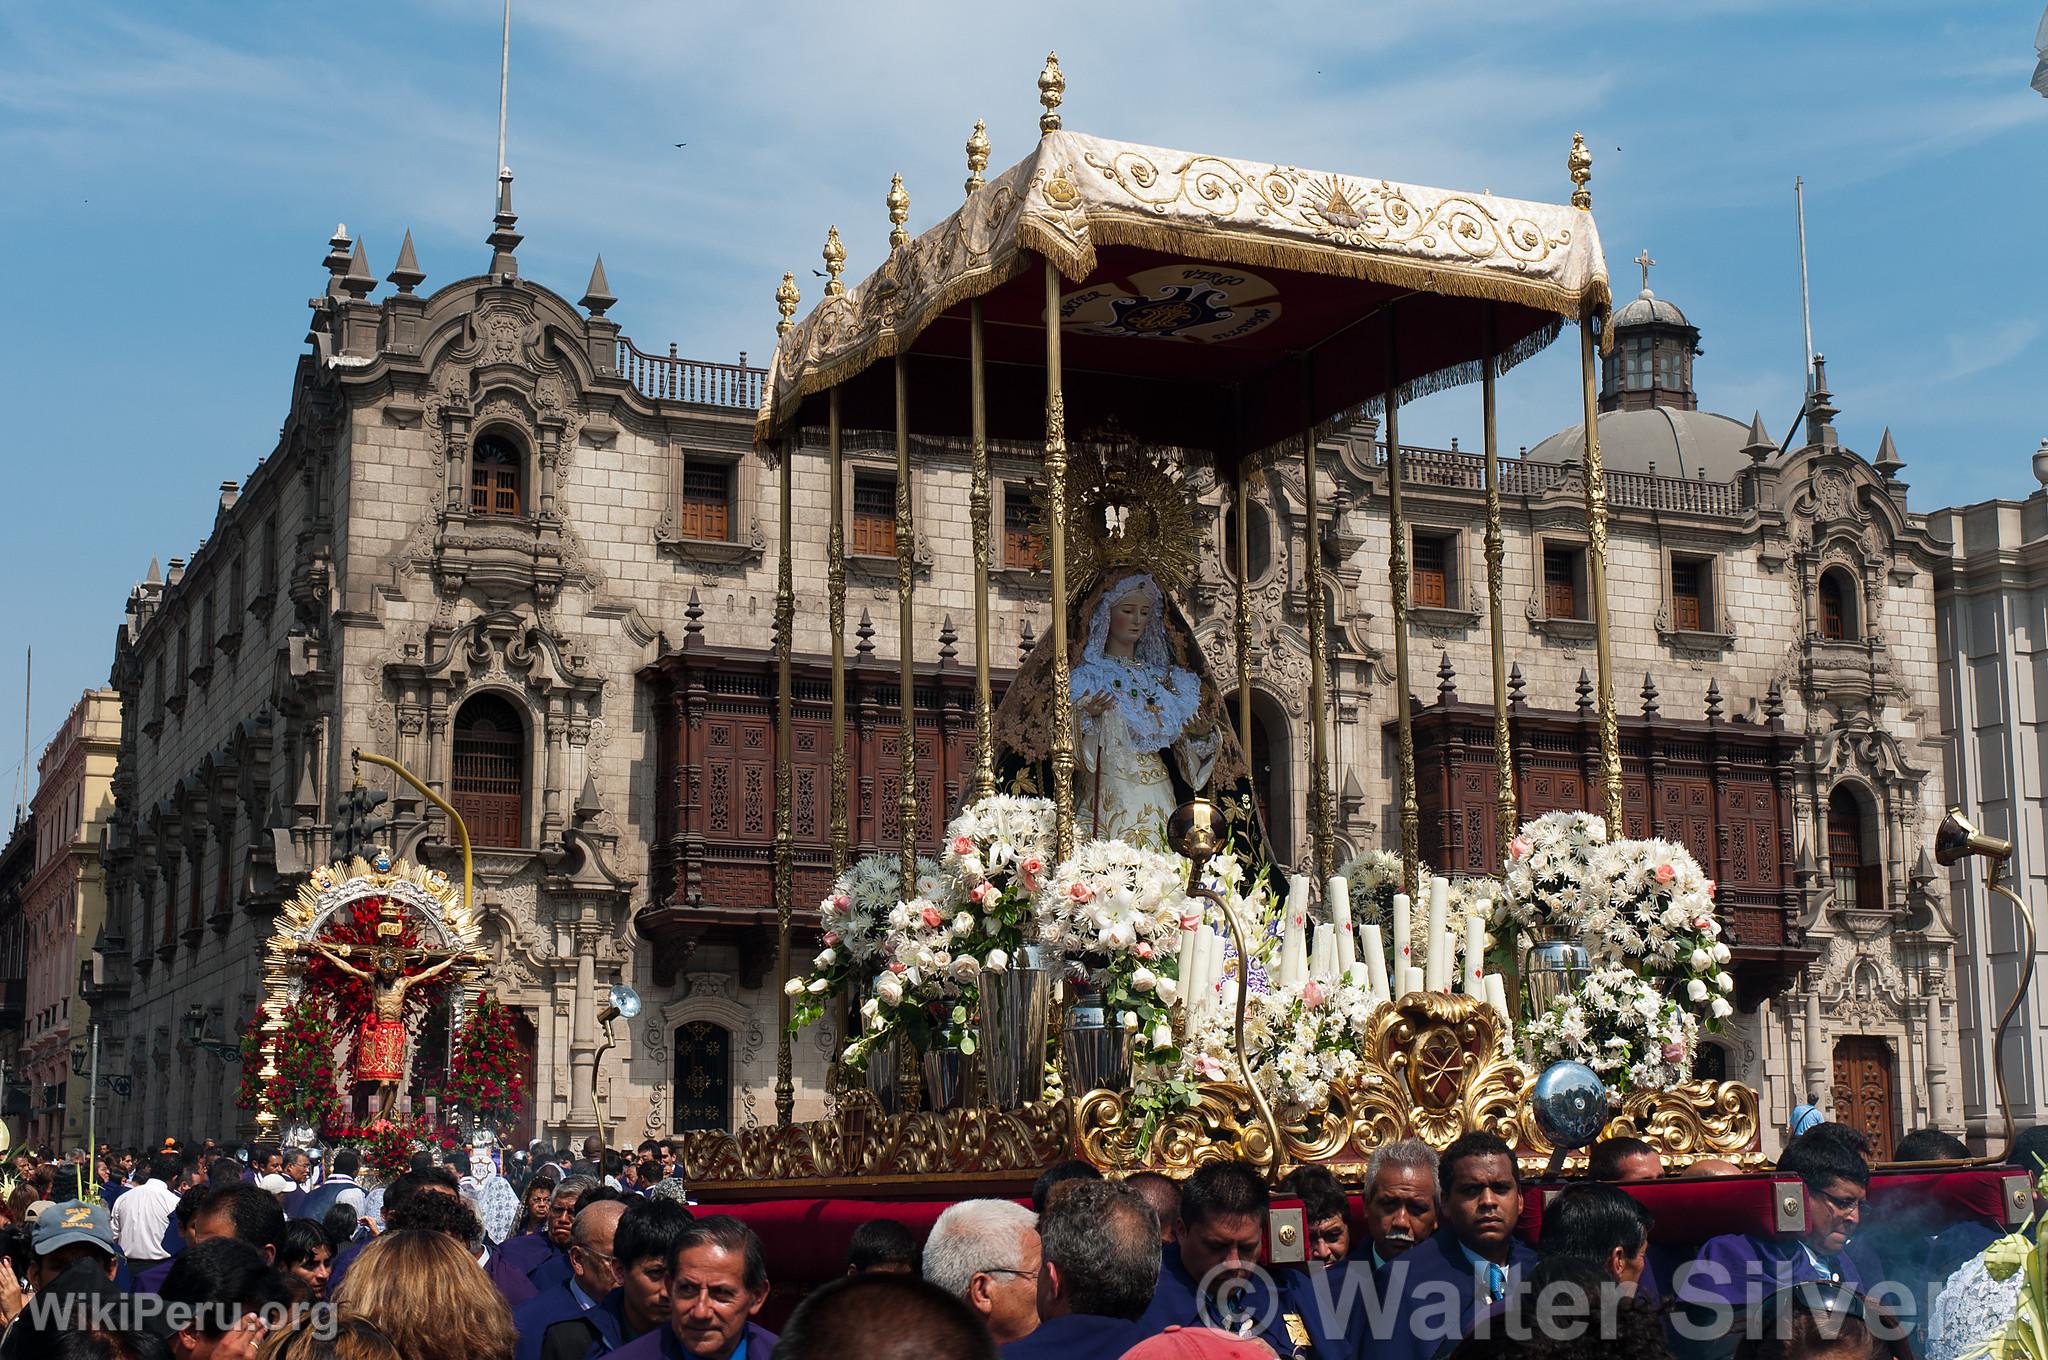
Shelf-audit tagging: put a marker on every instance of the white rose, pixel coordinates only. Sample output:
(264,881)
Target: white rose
(1130,1021)
(793,987)
(962,924)
(1701,960)
(997,961)
(1142,980)
(1162,1036)
(889,990)
(1721,954)
(1725,983)
(817,986)
(826,958)
(1722,1010)
(1696,989)
(1167,989)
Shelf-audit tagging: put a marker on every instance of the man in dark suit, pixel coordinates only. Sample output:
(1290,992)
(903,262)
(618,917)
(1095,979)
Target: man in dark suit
(1206,1274)
(717,1282)
(647,1237)
(1432,1294)
(1097,1274)
(1602,1225)
(593,1273)
(530,1265)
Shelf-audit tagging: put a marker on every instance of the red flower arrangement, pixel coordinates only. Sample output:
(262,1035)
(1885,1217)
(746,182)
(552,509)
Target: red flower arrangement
(304,1091)
(488,1079)
(387,1145)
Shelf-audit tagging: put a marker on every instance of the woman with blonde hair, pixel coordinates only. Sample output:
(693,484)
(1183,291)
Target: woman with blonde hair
(429,1296)
(348,1339)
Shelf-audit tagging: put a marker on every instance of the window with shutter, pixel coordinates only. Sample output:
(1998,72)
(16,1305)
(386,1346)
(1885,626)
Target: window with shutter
(1688,596)
(489,785)
(874,515)
(494,474)
(707,501)
(1431,576)
(1561,583)
(1023,548)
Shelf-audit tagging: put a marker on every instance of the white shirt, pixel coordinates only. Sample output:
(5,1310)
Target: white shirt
(277,1183)
(139,1219)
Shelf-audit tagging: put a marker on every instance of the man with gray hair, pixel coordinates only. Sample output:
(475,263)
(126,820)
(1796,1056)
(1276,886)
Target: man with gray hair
(1400,1198)
(1100,1265)
(986,1253)
(593,1273)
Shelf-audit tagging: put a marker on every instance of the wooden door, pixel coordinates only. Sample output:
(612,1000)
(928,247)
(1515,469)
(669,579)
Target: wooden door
(1865,1098)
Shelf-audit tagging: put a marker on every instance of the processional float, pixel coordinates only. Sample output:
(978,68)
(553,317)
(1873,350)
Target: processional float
(1120,306)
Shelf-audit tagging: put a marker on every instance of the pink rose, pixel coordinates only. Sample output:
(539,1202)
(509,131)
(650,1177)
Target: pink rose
(1312,993)
(983,892)
(841,903)
(1143,950)
(1665,873)
(1518,848)
(899,966)
(1710,887)
(963,845)
(932,918)
(1674,1053)
(1190,922)
(831,939)
(1702,922)
(1032,865)
(1208,1069)
(1080,892)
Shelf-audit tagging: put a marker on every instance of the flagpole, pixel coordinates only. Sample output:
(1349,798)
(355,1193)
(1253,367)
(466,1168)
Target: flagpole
(504,76)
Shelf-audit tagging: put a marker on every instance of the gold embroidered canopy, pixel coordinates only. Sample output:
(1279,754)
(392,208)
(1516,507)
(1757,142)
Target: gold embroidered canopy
(1261,289)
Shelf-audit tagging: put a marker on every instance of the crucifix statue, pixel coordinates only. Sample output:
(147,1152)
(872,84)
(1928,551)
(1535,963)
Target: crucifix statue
(379,1057)
(1643,259)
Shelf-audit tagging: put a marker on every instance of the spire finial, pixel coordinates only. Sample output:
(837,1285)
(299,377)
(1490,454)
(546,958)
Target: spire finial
(899,213)
(503,240)
(977,155)
(1760,448)
(786,299)
(338,259)
(1580,163)
(1052,89)
(597,297)
(835,264)
(406,275)
(359,281)
(1888,461)
(1645,262)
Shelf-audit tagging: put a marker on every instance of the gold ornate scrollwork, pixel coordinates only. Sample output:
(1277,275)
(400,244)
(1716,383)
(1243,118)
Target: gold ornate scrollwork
(1692,1120)
(863,1144)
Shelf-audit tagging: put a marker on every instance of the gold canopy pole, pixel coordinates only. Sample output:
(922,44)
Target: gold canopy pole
(1581,165)
(1318,660)
(906,618)
(835,579)
(786,299)
(1397,569)
(1504,813)
(1241,637)
(980,504)
(1051,87)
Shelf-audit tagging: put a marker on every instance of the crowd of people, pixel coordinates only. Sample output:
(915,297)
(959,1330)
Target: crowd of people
(238,1253)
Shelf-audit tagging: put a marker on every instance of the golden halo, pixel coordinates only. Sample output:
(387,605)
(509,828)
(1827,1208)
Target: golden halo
(1128,508)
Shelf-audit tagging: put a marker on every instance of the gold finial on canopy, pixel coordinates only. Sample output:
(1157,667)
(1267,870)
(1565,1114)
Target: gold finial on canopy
(835,264)
(786,299)
(899,213)
(977,155)
(1581,165)
(1052,88)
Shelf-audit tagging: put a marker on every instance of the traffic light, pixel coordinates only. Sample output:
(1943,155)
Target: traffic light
(359,824)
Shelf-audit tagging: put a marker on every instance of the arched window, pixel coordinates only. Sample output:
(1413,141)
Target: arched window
(1837,605)
(494,473)
(490,771)
(1853,860)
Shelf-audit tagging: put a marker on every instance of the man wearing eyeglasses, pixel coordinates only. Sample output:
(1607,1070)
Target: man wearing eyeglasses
(1742,1268)
(593,1273)
(986,1252)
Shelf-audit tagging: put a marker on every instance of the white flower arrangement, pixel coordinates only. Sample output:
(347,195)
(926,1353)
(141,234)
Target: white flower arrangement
(1660,910)
(997,852)
(1374,877)
(1300,1040)
(855,920)
(1549,878)
(1620,1025)
(1120,910)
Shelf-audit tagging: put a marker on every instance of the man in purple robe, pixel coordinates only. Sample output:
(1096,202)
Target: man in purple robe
(1743,1268)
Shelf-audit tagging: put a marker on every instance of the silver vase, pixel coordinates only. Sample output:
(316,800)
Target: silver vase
(881,1073)
(948,1078)
(1553,965)
(1014,1006)
(1095,1051)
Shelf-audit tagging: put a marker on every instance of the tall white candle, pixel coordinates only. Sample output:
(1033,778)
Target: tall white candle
(1338,894)
(1375,965)
(1436,963)
(1403,938)
(1474,971)
(1190,940)
(1294,952)
(1411,980)
(1497,997)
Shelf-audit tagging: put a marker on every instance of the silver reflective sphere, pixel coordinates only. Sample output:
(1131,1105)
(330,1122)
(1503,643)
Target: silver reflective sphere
(1570,1104)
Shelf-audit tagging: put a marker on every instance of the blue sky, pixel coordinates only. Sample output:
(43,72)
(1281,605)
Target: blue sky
(173,170)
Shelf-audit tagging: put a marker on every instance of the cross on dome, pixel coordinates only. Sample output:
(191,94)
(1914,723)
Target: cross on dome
(1643,259)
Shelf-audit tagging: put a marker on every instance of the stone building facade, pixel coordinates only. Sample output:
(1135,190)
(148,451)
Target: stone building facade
(499,542)
(1992,617)
(63,910)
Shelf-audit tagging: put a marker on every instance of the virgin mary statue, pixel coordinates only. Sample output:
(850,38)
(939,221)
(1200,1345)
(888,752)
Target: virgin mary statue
(1149,732)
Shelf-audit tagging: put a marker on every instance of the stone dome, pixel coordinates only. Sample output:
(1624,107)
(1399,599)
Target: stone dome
(1681,443)
(1646,308)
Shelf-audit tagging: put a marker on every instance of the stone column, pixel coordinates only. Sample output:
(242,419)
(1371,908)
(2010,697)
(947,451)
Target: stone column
(1818,1068)
(583,1030)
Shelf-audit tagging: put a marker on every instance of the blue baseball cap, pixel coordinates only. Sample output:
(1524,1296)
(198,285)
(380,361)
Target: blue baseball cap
(62,1224)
